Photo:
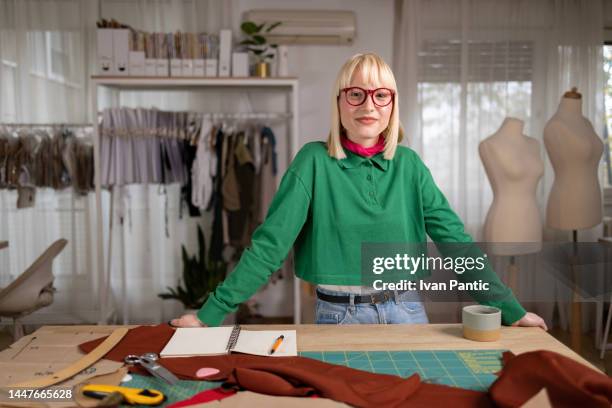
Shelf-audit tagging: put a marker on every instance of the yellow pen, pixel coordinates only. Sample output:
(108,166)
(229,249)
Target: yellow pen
(132,396)
(276,344)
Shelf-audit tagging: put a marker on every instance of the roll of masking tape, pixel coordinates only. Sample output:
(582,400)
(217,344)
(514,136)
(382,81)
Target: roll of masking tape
(481,323)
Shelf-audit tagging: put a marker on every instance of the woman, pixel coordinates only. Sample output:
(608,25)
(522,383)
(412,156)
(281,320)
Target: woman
(359,187)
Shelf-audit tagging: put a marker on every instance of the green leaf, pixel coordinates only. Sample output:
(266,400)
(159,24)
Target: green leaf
(200,276)
(274,45)
(273,26)
(258,52)
(259,39)
(259,27)
(249,27)
(248,42)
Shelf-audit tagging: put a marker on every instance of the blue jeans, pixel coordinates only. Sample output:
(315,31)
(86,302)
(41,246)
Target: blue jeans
(406,309)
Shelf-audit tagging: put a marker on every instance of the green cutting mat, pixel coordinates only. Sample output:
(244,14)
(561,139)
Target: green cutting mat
(182,390)
(471,369)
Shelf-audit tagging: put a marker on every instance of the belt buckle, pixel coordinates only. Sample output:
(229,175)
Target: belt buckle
(374,300)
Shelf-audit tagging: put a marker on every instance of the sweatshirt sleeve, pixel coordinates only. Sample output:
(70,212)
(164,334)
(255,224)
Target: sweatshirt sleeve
(270,245)
(444,226)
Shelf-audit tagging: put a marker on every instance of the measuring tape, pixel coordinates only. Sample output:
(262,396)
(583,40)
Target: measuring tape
(75,368)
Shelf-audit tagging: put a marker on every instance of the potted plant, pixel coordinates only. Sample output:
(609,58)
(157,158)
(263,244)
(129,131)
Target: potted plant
(200,277)
(257,44)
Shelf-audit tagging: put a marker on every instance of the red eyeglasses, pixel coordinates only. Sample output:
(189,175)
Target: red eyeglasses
(356,96)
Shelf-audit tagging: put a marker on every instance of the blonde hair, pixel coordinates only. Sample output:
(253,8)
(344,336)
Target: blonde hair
(375,70)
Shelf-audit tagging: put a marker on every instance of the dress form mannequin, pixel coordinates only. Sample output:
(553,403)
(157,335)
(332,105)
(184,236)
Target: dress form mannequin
(514,168)
(575,199)
(575,150)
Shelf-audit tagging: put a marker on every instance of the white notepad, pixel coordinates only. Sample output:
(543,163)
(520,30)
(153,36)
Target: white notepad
(211,341)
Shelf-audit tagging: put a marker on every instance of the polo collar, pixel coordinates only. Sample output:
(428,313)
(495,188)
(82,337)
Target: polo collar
(354,160)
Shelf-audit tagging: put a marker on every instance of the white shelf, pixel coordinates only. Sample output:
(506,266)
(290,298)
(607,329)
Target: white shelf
(116,85)
(180,82)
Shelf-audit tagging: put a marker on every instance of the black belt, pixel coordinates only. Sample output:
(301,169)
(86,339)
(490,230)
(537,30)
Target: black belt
(376,297)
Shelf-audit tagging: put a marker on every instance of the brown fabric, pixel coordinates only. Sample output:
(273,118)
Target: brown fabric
(297,376)
(568,383)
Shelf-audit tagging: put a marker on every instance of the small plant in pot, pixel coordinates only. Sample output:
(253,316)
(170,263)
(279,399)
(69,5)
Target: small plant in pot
(257,44)
(200,277)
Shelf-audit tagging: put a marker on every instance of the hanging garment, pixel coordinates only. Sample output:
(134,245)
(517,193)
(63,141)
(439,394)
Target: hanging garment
(83,176)
(239,220)
(216,202)
(106,139)
(190,151)
(254,145)
(265,182)
(15,157)
(267,134)
(231,191)
(204,167)
(45,158)
(4,146)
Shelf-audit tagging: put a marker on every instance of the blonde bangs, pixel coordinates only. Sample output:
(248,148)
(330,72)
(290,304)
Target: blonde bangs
(374,70)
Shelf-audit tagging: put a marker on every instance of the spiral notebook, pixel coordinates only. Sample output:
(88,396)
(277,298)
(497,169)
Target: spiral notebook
(211,341)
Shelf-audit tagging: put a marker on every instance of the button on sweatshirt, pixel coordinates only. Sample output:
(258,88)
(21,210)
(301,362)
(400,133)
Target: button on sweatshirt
(326,208)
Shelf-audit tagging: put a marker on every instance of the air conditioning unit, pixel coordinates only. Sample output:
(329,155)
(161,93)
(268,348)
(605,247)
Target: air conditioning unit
(333,27)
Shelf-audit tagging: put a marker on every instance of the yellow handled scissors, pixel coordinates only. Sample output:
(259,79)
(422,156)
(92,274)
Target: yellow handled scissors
(133,396)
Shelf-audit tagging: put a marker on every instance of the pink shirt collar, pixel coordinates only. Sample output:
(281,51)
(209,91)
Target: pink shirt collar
(363,151)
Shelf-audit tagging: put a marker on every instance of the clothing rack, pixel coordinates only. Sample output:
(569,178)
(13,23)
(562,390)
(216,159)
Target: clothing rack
(233,115)
(34,125)
(212,115)
(116,85)
(247,115)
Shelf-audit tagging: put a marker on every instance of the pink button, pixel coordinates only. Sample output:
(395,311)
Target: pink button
(206,372)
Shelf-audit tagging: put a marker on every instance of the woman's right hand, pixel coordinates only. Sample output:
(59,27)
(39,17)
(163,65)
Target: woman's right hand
(187,320)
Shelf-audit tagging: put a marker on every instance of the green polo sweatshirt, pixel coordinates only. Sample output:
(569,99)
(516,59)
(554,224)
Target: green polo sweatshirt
(326,208)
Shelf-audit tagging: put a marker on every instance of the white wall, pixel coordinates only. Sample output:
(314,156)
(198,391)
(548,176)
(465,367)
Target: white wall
(317,66)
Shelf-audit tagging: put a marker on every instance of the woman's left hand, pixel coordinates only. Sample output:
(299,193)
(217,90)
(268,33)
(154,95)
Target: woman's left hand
(531,320)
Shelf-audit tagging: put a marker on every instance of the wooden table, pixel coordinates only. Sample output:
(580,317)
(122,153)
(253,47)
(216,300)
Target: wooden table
(390,337)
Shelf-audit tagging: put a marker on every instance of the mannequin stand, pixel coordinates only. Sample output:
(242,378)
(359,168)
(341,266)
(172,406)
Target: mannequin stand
(576,310)
(512,275)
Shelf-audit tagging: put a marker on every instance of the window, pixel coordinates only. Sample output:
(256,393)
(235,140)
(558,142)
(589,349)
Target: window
(52,56)
(465,98)
(8,72)
(607,54)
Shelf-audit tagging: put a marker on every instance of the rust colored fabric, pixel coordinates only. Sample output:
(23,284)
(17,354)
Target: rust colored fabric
(568,383)
(296,376)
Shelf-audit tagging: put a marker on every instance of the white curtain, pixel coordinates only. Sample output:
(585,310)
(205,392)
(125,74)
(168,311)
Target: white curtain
(47,54)
(44,70)
(463,66)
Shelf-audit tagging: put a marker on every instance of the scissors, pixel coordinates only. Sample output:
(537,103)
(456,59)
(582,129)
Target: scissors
(149,362)
(132,396)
